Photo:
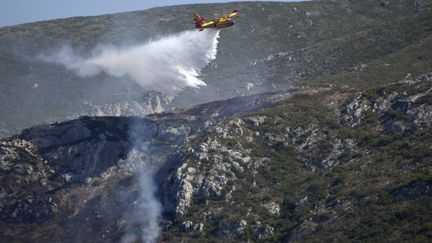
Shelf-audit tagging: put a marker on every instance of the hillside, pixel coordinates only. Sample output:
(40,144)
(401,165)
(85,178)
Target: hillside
(272,47)
(307,165)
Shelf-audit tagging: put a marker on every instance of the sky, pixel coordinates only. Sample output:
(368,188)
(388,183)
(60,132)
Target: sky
(14,12)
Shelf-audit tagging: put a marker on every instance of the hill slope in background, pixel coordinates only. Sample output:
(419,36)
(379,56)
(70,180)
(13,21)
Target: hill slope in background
(273,46)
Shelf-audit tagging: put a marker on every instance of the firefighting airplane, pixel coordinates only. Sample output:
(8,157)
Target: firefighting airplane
(223,21)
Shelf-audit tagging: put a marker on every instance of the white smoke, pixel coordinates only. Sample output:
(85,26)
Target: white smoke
(168,64)
(143,223)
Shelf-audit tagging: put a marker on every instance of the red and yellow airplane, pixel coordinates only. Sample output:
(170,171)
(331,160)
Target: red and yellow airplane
(223,21)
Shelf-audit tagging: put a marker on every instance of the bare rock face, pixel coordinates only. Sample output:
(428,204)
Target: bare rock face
(354,111)
(319,147)
(262,231)
(25,174)
(256,121)
(231,230)
(273,208)
(190,228)
(422,116)
(397,112)
(210,170)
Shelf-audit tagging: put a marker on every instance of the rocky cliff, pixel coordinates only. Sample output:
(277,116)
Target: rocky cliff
(304,165)
(273,46)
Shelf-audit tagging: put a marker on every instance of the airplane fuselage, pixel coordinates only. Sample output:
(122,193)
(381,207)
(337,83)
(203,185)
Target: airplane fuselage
(217,24)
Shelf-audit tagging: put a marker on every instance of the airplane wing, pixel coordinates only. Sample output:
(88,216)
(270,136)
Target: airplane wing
(234,14)
(206,24)
(224,17)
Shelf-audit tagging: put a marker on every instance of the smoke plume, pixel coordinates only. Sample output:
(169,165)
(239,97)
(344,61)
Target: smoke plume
(144,220)
(168,64)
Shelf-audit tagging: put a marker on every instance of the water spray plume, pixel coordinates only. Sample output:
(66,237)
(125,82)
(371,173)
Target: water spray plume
(168,64)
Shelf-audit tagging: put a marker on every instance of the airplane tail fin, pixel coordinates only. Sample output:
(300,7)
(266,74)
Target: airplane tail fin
(199,20)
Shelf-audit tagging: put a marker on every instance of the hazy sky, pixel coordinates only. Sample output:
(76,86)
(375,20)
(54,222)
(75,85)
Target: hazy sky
(14,12)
